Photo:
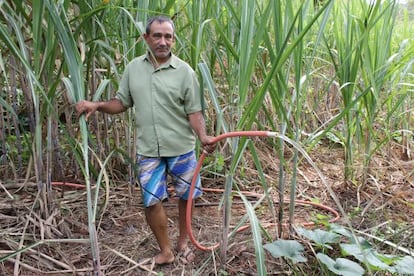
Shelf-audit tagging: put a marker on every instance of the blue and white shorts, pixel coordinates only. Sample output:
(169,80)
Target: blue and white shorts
(152,176)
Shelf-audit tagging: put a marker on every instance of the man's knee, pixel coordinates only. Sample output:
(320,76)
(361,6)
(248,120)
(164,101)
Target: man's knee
(154,208)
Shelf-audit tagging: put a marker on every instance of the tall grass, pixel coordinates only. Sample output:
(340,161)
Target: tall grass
(76,92)
(267,65)
(375,72)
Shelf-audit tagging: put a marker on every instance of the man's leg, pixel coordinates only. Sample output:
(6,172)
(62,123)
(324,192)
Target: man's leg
(152,178)
(158,221)
(181,168)
(182,212)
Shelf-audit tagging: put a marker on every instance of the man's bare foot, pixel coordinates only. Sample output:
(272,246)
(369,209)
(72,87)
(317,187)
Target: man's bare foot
(164,258)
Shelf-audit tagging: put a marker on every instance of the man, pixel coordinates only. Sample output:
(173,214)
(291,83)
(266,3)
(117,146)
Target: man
(166,96)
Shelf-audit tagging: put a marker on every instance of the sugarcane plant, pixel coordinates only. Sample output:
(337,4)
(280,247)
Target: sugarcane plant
(76,92)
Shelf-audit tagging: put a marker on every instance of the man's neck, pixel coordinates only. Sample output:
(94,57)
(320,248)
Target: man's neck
(158,62)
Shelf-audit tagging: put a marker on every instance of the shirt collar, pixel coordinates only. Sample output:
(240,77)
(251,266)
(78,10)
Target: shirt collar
(171,62)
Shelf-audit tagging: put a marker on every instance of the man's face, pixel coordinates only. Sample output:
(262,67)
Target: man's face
(160,40)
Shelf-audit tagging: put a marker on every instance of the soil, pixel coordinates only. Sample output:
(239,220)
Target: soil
(126,245)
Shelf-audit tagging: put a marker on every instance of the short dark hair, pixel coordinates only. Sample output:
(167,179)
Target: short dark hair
(160,19)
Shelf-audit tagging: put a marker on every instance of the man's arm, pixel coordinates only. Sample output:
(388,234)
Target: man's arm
(113,106)
(197,123)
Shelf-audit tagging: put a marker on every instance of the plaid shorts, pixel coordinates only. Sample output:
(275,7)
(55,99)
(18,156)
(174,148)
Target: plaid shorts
(152,176)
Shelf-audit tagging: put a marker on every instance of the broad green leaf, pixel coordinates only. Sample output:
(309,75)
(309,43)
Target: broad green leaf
(290,249)
(387,258)
(320,237)
(405,266)
(340,230)
(365,255)
(341,266)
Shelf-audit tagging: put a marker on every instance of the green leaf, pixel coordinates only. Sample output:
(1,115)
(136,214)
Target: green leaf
(320,237)
(8,107)
(257,237)
(388,258)
(341,230)
(101,89)
(220,163)
(286,248)
(334,137)
(341,266)
(405,265)
(365,255)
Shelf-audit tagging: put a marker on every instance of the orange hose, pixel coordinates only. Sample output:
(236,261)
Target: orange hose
(197,170)
(68,184)
(192,187)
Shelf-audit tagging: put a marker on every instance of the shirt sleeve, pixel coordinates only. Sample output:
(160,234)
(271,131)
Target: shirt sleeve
(123,93)
(192,94)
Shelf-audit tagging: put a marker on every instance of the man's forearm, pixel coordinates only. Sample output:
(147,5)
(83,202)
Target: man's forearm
(198,124)
(113,106)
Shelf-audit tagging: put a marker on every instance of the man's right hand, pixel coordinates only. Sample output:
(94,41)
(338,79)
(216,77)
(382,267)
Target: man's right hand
(113,106)
(86,107)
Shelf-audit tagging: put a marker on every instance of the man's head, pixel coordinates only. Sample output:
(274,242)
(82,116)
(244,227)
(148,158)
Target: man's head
(160,37)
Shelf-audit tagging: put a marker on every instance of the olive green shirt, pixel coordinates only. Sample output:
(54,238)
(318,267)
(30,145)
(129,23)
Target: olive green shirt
(162,99)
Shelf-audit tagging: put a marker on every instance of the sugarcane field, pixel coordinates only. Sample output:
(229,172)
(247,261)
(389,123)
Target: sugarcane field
(248,137)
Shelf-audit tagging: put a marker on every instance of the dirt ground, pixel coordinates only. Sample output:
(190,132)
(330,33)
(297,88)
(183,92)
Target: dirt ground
(126,243)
